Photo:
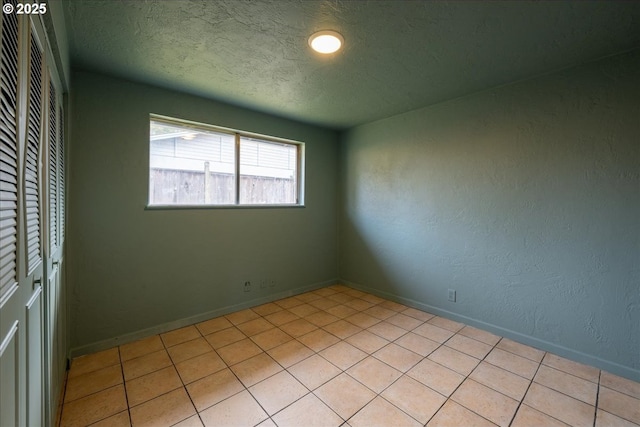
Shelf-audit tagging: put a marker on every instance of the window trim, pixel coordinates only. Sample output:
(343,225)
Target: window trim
(238,134)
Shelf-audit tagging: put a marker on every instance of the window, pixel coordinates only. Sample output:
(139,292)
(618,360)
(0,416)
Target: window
(200,165)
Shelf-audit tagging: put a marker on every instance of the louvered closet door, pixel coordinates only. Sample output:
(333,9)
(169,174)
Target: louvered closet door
(24,103)
(11,318)
(54,295)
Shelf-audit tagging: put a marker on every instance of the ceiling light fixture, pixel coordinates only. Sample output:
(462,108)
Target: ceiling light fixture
(326,41)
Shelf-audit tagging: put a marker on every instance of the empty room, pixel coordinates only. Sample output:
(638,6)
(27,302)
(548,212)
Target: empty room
(320,213)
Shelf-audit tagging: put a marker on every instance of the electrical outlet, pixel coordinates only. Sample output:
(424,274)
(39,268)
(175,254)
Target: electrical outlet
(452,295)
(247,286)
(272,283)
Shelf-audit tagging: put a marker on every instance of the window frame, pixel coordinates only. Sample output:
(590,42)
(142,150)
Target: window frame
(238,134)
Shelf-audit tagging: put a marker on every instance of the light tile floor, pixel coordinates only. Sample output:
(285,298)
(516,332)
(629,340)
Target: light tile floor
(339,357)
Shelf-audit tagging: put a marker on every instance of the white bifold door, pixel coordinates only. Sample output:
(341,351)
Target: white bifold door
(32,224)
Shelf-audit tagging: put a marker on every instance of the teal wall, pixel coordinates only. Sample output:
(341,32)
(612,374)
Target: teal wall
(525,199)
(133,270)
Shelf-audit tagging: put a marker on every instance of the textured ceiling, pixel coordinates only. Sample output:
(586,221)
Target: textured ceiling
(398,55)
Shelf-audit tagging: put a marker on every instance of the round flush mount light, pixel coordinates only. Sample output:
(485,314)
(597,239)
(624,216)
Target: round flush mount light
(326,41)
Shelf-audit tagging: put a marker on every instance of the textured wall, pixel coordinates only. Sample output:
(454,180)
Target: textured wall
(131,268)
(525,199)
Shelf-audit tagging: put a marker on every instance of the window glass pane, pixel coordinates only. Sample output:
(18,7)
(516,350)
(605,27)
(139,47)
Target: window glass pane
(268,173)
(190,166)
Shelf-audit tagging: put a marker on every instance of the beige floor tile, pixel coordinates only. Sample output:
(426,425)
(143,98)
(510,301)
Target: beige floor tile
(318,340)
(140,347)
(192,421)
(392,305)
(321,318)
(622,405)
(454,359)
(254,327)
(118,420)
(479,335)
(308,297)
(372,298)
(278,392)
(238,410)
(242,316)
(298,327)
(455,415)
(214,388)
(414,398)
(469,346)
(418,314)
(146,364)
(324,303)
(92,382)
(189,349)
(239,351)
(281,317)
(343,355)
(367,342)
(568,384)
(398,357)
(92,362)
(289,302)
(359,304)
(501,380)
(387,331)
(165,410)
(178,336)
(256,369)
(443,323)
(588,373)
(303,310)
(405,322)
(314,371)
(95,407)
(290,353)
(379,312)
(323,292)
(605,419)
(225,337)
(345,395)
(433,332)
(362,320)
(199,367)
(529,417)
(309,412)
(374,374)
(513,363)
(271,338)
(486,402)
(354,293)
(341,311)
(152,385)
(620,384)
(267,423)
(521,350)
(381,413)
(266,309)
(342,329)
(213,325)
(295,333)
(441,379)
(559,406)
(417,344)
(340,297)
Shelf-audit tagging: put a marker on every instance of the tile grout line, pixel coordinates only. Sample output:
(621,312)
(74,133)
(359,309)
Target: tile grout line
(595,415)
